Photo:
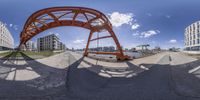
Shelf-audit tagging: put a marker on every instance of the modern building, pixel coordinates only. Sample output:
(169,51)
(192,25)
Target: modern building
(30,46)
(49,43)
(6,38)
(192,37)
(61,46)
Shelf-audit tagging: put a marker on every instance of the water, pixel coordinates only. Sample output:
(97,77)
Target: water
(133,54)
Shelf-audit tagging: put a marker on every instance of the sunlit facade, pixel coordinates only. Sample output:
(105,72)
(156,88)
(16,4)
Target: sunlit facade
(192,37)
(30,46)
(49,43)
(6,39)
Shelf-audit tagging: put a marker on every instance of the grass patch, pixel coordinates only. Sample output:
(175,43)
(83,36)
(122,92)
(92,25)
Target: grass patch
(5,54)
(44,53)
(37,55)
(31,54)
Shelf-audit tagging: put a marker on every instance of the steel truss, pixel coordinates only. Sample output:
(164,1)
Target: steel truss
(87,18)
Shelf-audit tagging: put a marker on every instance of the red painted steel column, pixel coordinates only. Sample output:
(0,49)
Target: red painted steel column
(88,43)
(119,48)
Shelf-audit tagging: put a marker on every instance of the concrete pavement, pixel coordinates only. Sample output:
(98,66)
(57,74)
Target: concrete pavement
(119,69)
(185,74)
(157,77)
(152,84)
(29,78)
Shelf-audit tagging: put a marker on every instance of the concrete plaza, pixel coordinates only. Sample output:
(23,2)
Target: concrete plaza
(69,76)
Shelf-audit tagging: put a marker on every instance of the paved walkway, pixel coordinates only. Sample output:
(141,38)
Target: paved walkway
(185,75)
(153,84)
(155,77)
(119,69)
(26,77)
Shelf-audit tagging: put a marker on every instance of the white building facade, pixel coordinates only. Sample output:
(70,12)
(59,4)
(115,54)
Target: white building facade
(192,37)
(30,46)
(6,38)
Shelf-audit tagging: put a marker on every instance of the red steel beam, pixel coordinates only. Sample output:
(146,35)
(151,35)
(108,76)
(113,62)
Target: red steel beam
(87,46)
(69,16)
(103,37)
(105,53)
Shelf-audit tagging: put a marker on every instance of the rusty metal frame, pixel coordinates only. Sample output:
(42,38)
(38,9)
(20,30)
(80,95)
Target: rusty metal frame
(87,18)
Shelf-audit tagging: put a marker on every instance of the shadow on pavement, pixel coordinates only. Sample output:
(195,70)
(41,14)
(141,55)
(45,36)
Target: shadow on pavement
(186,79)
(48,82)
(160,82)
(157,83)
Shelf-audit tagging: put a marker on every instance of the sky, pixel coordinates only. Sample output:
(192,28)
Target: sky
(155,22)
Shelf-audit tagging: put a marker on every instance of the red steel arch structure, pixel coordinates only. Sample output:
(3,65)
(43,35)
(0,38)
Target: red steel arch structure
(87,18)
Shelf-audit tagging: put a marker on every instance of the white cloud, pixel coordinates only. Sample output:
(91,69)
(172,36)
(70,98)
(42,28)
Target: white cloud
(135,26)
(136,33)
(149,14)
(149,33)
(11,25)
(57,34)
(173,41)
(50,33)
(118,19)
(168,16)
(78,41)
(5,24)
(153,42)
(15,27)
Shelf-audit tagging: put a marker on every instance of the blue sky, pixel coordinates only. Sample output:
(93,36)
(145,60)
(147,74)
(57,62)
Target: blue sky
(157,22)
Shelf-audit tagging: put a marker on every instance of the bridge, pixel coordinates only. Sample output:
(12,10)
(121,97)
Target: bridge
(87,18)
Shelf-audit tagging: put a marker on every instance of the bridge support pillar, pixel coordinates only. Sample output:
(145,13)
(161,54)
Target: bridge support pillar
(88,43)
